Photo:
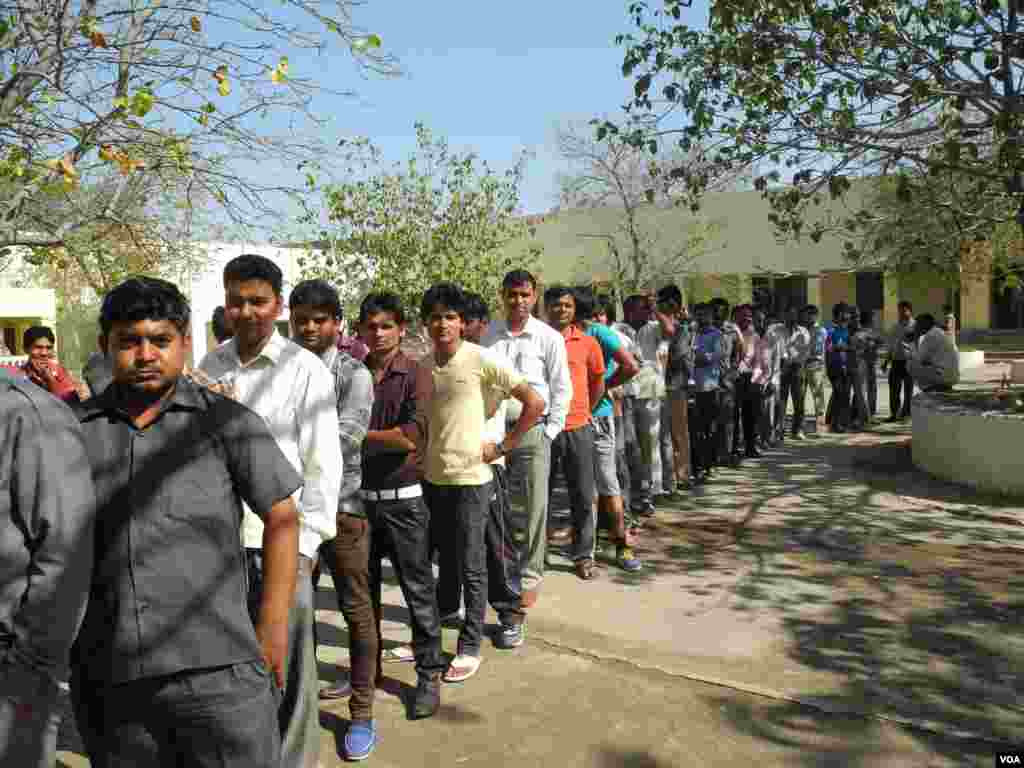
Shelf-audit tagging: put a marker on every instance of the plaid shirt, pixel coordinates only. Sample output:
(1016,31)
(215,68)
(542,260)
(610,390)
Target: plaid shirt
(353,384)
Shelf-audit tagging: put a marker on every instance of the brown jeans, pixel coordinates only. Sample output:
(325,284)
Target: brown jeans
(680,434)
(347,557)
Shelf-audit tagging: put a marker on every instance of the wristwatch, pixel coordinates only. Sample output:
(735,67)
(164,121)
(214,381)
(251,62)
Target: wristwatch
(500,449)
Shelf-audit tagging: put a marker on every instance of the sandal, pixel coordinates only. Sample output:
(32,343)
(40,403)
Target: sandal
(397,654)
(462,668)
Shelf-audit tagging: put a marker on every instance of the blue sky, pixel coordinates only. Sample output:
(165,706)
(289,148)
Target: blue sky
(494,77)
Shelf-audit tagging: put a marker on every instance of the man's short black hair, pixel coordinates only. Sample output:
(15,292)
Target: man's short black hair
(447,295)
(219,325)
(382,301)
(635,298)
(606,306)
(811,309)
(719,301)
(924,323)
(145,298)
(867,317)
(34,334)
(670,293)
(518,277)
(316,293)
(476,308)
(586,302)
(839,310)
(555,292)
(905,303)
(251,266)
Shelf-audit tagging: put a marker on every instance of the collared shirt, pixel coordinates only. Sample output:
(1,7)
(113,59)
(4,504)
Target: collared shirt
(819,337)
(353,386)
(538,353)
(585,361)
(794,343)
(47,513)
(896,342)
(169,586)
(730,345)
(679,369)
(765,366)
(836,347)
(750,342)
(652,345)
(394,405)
(706,376)
(294,393)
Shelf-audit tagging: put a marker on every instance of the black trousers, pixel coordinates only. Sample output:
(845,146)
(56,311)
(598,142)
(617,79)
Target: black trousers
(704,424)
(401,530)
(791,386)
(465,509)
(504,591)
(749,398)
(575,451)
(839,404)
(900,383)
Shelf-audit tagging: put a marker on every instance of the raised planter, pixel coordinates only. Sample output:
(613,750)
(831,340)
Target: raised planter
(963,442)
(971,359)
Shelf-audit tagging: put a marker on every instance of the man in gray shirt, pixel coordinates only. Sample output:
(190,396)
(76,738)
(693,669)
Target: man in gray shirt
(47,512)
(168,654)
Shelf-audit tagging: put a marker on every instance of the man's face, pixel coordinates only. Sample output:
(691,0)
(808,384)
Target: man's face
(601,318)
(41,351)
(669,308)
(905,313)
(704,317)
(473,330)
(718,313)
(792,315)
(519,302)
(146,356)
(315,328)
(381,333)
(445,326)
(562,312)
(252,307)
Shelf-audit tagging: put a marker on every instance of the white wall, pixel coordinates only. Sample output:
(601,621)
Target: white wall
(206,292)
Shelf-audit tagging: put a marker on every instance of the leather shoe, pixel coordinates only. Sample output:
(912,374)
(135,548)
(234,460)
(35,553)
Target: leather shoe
(427,699)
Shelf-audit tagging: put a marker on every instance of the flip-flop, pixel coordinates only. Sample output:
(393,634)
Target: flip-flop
(462,668)
(398,653)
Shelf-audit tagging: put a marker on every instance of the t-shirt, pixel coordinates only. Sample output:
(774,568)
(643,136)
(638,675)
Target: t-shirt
(452,412)
(585,360)
(610,345)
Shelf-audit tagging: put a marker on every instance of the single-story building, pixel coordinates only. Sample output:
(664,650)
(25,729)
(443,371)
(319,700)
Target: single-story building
(743,254)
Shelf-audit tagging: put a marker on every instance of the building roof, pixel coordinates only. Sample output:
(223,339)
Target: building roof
(744,240)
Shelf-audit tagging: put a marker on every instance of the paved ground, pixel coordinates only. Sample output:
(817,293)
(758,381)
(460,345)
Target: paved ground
(827,605)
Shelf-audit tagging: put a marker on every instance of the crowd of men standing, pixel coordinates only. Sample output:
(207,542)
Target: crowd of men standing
(160,540)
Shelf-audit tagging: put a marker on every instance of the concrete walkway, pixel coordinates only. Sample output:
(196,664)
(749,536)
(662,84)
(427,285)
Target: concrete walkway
(826,605)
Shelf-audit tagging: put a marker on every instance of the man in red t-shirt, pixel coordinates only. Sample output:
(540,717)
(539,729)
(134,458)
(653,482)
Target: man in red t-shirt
(42,367)
(574,446)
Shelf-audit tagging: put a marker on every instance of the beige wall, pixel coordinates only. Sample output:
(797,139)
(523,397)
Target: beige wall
(927,291)
(703,287)
(836,287)
(976,301)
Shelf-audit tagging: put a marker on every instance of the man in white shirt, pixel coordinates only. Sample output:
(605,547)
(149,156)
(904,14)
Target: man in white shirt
(653,415)
(293,391)
(794,344)
(935,365)
(538,353)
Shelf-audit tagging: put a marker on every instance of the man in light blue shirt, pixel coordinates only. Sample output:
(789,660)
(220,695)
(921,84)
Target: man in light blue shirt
(620,367)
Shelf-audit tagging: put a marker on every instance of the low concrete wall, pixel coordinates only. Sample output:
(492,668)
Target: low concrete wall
(972,359)
(968,447)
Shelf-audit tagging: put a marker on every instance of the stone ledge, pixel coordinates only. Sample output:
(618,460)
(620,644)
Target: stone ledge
(968,446)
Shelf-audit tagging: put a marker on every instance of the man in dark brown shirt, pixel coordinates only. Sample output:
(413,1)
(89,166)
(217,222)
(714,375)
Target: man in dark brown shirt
(168,654)
(397,515)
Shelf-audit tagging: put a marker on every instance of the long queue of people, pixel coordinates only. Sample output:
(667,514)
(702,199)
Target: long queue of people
(161,539)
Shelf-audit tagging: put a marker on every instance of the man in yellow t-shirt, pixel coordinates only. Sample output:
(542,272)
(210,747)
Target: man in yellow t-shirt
(452,385)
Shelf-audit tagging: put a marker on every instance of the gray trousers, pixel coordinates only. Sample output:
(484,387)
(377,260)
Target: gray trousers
(654,475)
(529,468)
(299,712)
(29,716)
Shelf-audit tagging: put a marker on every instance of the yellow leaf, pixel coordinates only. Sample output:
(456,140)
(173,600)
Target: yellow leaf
(107,153)
(196,26)
(224,87)
(276,76)
(98,40)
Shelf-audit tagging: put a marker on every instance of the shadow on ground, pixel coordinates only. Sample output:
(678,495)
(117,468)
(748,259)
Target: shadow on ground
(904,587)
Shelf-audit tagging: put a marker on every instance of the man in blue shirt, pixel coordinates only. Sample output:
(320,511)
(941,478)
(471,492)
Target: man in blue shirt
(620,367)
(707,359)
(837,350)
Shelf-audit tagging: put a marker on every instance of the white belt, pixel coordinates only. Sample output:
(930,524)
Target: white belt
(392,494)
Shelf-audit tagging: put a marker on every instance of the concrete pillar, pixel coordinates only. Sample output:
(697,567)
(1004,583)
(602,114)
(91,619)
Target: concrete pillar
(891,293)
(814,293)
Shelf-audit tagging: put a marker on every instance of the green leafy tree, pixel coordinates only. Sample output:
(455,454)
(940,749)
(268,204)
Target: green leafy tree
(827,93)
(440,215)
(177,92)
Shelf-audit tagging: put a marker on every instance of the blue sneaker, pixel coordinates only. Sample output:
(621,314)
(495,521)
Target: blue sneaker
(360,739)
(628,561)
